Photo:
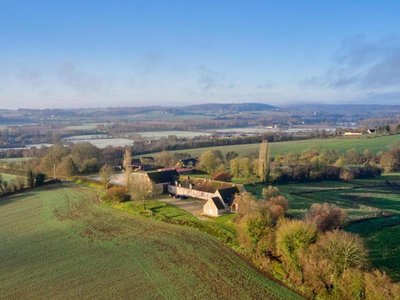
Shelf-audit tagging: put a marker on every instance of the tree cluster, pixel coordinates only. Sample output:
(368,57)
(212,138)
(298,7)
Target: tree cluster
(13,185)
(312,255)
(321,165)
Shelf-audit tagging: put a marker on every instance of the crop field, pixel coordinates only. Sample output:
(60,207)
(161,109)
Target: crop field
(103,143)
(375,144)
(58,242)
(15,159)
(178,133)
(382,238)
(84,126)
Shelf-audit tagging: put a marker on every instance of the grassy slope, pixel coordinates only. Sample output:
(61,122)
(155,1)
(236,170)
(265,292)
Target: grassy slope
(58,243)
(382,238)
(358,197)
(342,144)
(221,227)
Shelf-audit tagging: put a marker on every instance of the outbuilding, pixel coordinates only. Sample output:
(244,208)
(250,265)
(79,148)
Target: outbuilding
(214,207)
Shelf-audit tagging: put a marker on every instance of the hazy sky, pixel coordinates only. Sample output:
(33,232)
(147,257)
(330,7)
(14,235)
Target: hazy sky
(115,53)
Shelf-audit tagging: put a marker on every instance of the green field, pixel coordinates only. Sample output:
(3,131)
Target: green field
(58,242)
(16,159)
(382,238)
(360,197)
(375,144)
(8,177)
(221,227)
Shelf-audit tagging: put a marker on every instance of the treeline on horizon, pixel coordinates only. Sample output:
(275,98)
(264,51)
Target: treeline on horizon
(173,143)
(63,161)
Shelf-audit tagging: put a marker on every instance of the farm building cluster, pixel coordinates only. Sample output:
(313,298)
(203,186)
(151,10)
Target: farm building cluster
(218,196)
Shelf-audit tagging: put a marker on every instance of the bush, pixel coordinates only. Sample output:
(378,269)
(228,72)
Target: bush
(293,236)
(277,206)
(326,216)
(222,176)
(379,287)
(40,178)
(117,195)
(269,192)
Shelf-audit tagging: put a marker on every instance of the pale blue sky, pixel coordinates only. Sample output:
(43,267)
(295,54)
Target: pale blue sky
(116,53)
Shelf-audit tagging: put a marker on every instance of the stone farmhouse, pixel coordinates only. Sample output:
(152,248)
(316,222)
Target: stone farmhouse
(159,179)
(218,195)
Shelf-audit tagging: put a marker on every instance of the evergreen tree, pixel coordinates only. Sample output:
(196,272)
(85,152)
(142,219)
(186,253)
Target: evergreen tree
(30,179)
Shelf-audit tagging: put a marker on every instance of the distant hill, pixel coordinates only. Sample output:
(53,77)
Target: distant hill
(228,107)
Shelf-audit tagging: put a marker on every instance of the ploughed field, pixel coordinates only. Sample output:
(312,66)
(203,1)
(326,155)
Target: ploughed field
(375,144)
(58,242)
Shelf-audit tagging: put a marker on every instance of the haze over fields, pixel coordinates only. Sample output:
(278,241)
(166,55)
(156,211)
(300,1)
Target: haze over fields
(62,54)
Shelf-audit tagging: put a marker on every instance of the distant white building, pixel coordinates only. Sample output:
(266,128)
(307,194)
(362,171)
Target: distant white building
(352,133)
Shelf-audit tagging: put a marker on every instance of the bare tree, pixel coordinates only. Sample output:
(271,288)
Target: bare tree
(326,216)
(106,173)
(269,192)
(127,164)
(141,189)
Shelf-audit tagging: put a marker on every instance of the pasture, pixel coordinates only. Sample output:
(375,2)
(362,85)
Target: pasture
(58,242)
(15,159)
(178,133)
(84,126)
(342,144)
(103,143)
(359,197)
(381,235)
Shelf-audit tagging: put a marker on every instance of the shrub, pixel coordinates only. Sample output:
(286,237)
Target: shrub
(379,287)
(40,179)
(293,236)
(269,192)
(326,216)
(277,206)
(222,176)
(117,195)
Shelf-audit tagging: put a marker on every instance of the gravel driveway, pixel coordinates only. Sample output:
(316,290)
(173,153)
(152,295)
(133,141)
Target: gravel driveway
(193,206)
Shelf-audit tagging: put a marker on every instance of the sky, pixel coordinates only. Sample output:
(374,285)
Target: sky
(82,53)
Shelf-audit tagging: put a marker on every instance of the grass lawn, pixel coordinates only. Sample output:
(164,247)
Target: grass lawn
(221,227)
(375,144)
(58,242)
